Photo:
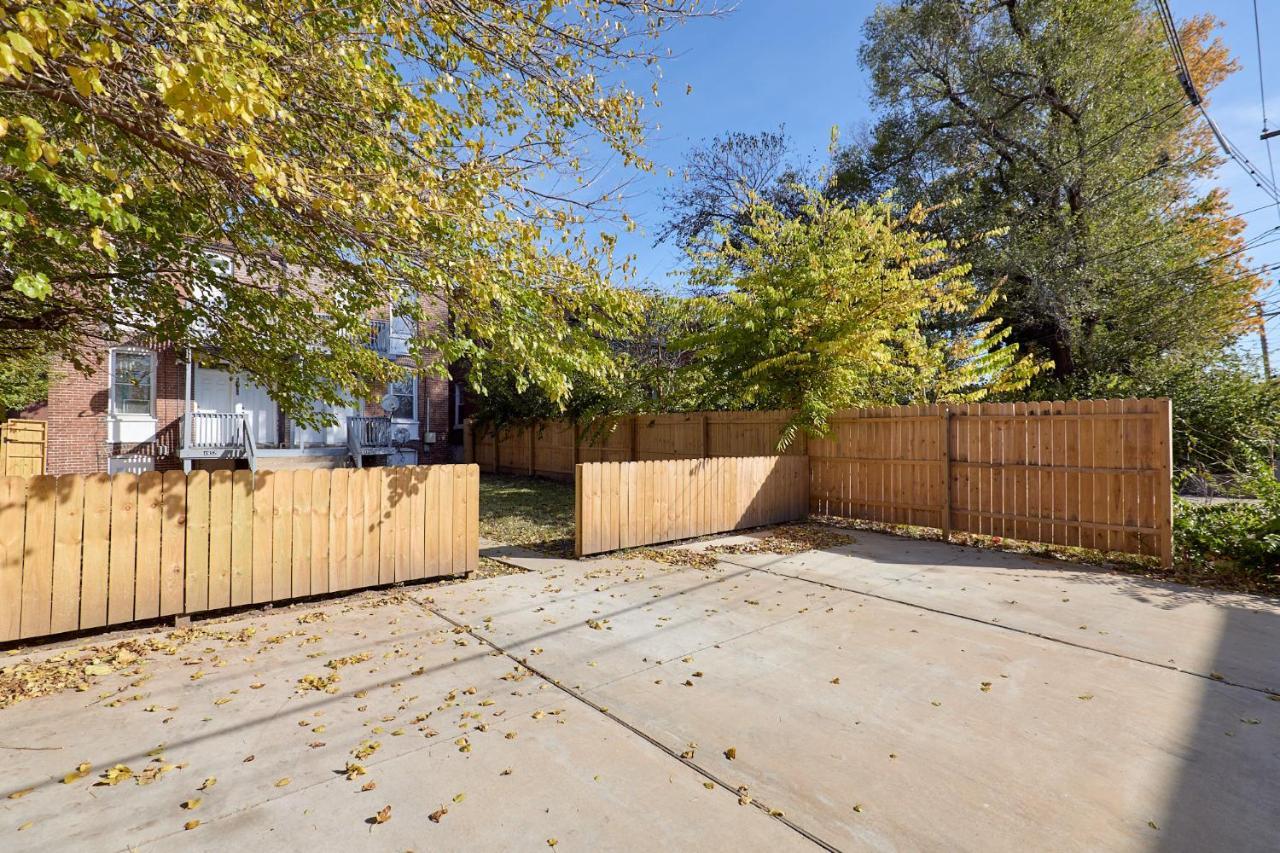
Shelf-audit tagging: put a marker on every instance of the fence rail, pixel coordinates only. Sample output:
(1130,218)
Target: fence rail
(1086,473)
(627,504)
(80,552)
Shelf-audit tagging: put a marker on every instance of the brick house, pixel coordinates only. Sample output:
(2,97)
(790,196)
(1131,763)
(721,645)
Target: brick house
(145,407)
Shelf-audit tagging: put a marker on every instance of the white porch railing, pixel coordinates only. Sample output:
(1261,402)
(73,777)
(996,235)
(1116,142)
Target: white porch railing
(367,435)
(224,435)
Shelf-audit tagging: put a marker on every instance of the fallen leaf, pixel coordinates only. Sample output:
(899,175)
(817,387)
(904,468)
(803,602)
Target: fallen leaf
(17,795)
(191,824)
(383,815)
(835,680)
(26,826)
(116,775)
(551,842)
(208,783)
(457,798)
(436,815)
(731,753)
(191,804)
(81,771)
(280,783)
(709,785)
(368,786)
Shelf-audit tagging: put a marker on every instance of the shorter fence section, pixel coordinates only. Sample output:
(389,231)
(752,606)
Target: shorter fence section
(80,552)
(627,504)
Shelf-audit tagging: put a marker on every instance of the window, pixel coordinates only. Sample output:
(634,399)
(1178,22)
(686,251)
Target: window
(402,394)
(133,389)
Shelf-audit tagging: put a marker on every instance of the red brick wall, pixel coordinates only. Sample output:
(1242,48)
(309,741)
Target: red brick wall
(76,412)
(78,403)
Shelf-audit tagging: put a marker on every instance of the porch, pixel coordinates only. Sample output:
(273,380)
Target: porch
(212,436)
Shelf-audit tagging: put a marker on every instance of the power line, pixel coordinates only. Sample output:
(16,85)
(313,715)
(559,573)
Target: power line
(1183,71)
(1262,96)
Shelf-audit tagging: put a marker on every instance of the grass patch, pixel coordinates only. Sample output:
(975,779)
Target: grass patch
(527,511)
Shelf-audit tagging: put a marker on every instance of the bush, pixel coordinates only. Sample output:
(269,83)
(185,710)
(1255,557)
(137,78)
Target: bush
(1235,540)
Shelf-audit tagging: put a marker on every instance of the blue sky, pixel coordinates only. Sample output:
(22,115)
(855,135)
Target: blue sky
(795,63)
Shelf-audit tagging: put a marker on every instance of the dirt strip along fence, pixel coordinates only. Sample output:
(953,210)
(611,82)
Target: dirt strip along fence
(80,552)
(1085,473)
(553,448)
(627,504)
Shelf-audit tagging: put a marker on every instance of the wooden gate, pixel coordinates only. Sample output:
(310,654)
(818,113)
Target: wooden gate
(23,448)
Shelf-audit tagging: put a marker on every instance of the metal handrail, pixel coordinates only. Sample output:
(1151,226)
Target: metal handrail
(250,443)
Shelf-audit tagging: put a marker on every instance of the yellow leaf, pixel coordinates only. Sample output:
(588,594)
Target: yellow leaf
(17,795)
(193,803)
(383,815)
(280,783)
(80,772)
(208,783)
(191,824)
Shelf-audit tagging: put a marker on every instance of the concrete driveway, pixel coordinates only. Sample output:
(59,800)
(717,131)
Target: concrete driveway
(887,694)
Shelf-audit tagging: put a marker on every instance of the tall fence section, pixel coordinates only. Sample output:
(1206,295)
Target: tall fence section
(80,552)
(1085,473)
(553,448)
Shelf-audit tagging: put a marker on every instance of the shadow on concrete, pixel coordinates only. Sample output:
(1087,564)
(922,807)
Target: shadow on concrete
(1226,795)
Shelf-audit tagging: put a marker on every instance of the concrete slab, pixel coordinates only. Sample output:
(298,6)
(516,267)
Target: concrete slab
(869,695)
(1129,615)
(945,731)
(566,773)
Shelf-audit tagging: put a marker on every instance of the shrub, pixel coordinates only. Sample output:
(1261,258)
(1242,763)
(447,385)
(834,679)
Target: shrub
(1239,539)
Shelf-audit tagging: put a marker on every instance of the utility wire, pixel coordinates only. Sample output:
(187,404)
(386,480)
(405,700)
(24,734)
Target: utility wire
(1183,71)
(1262,95)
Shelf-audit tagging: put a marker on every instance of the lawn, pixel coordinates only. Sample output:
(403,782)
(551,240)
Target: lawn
(528,511)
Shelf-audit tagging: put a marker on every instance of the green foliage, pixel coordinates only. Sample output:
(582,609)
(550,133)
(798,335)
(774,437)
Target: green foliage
(348,155)
(1059,130)
(24,379)
(839,307)
(1234,537)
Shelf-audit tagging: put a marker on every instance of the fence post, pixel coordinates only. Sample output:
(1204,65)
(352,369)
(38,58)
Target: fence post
(497,450)
(704,444)
(532,445)
(574,425)
(1164,480)
(635,426)
(945,445)
(468,443)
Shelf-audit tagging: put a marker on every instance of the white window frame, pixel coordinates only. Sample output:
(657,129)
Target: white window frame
(111,384)
(413,377)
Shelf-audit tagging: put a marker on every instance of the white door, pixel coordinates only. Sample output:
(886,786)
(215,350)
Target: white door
(334,435)
(261,409)
(220,391)
(214,391)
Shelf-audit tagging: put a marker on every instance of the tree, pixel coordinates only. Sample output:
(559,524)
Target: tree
(653,371)
(723,178)
(839,307)
(1060,130)
(24,379)
(349,155)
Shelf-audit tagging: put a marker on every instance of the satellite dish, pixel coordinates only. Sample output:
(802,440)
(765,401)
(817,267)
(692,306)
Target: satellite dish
(389,402)
(401,435)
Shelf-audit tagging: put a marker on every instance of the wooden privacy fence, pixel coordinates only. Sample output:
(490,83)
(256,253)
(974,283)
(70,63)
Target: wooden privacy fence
(22,448)
(80,552)
(1085,473)
(553,448)
(626,504)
